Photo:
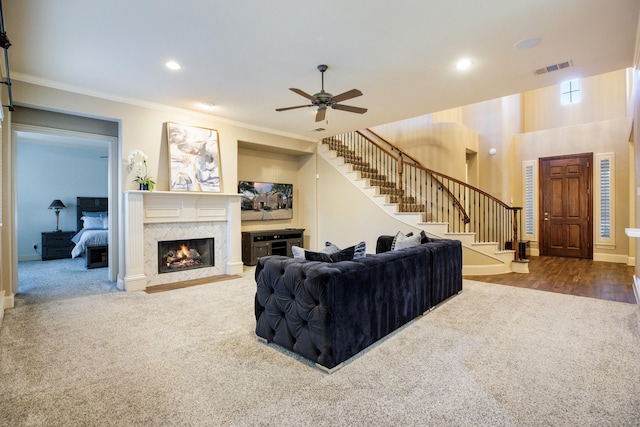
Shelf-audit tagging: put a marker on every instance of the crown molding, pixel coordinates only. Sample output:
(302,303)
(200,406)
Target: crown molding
(26,78)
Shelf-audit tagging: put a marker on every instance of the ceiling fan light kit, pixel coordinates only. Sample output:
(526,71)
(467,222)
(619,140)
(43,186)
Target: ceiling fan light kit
(323,99)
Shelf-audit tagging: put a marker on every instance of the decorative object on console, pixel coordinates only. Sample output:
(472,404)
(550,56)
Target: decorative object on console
(265,200)
(138,160)
(57,205)
(194,158)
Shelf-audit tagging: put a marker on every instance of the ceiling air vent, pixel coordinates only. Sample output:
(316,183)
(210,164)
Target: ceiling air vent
(553,67)
(319,129)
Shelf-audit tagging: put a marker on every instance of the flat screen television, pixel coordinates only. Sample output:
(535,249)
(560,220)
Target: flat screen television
(264,201)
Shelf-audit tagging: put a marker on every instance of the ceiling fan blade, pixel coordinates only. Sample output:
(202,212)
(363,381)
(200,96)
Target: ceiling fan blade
(292,108)
(350,108)
(301,93)
(320,115)
(347,95)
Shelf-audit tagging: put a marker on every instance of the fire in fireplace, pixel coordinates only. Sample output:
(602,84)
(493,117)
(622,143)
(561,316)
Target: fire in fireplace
(181,255)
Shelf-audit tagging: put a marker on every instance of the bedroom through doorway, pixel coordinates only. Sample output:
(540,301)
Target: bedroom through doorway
(54,164)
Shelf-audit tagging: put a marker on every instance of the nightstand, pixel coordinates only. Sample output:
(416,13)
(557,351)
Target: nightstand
(57,244)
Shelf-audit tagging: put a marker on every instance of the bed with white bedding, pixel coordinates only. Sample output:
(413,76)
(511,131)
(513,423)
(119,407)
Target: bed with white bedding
(88,237)
(93,223)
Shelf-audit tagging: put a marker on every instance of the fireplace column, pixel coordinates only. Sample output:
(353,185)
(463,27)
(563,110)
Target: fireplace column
(135,279)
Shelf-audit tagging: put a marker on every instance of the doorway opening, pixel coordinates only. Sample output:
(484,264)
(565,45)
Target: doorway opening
(73,160)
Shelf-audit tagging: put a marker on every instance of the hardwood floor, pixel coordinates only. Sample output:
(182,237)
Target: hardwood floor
(574,276)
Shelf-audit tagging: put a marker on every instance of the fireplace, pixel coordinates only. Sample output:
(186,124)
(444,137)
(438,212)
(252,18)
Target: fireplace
(181,255)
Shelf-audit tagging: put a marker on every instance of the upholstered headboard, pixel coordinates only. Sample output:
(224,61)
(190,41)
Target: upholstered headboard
(90,204)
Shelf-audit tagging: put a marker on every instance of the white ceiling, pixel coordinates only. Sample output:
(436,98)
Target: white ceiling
(243,56)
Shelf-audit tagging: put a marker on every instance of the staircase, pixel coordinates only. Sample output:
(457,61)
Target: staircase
(441,206)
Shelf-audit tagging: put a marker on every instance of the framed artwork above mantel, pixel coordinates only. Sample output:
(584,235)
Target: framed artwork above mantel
(194,158)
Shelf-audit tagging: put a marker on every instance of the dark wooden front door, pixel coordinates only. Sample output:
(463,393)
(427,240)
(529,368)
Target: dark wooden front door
(566,206)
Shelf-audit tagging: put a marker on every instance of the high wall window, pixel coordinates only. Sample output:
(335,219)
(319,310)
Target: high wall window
(529,212)
(605,192)
(570,92)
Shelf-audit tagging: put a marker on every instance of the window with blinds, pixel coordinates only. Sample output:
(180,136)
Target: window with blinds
(529,183)
(605,199)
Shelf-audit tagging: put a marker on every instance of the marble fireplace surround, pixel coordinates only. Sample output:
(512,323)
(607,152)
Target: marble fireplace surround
(150,216)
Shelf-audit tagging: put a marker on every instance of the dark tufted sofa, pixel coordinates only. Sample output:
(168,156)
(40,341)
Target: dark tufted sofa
(328,312)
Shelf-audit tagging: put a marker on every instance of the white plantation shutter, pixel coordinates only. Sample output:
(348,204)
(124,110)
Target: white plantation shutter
(605,198)
(529,184)
(605,188)
(528,199)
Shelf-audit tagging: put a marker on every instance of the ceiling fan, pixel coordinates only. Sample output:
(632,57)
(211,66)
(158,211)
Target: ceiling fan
(323,100)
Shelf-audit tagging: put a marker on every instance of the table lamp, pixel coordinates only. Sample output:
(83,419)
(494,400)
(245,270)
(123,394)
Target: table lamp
(57,205)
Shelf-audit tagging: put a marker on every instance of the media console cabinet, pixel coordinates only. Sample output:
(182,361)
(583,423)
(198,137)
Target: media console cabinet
(256,244)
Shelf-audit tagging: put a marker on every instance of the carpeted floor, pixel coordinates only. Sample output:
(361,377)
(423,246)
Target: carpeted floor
(46,281)
(492,355)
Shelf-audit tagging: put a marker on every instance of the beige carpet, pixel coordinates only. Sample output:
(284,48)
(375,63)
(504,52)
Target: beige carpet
(493,355)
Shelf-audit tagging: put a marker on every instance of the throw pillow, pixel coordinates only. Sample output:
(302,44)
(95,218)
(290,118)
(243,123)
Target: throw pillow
(92,222)
(317,256)
(398,236)
(297,252)
(329,248)
(94,214)
(360,250)
(341,255)
(407,242)
(404,241)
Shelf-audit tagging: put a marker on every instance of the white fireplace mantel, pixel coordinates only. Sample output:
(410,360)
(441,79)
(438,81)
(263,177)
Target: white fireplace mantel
(149,208)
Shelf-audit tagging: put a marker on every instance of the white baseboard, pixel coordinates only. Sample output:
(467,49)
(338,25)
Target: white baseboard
(619,259)
(485,270)
(1,307)
(7,301)
(29,257)
(636,289)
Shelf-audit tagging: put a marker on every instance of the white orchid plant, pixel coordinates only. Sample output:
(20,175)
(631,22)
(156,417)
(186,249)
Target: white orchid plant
(137,162)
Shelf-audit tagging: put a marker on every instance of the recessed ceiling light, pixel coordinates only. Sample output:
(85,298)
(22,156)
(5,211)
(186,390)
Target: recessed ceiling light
(173,65)
(207,105)
(464,64)
(527,43)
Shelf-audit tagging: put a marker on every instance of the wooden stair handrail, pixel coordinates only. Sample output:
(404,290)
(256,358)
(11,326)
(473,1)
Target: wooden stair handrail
(432,172)
(439,177)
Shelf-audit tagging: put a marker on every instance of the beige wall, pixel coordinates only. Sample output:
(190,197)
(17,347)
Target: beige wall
(526,127)
(604,97)
(600,137)
(347,216)
(327,207)
(142,126)
(437,145)
(495,121)
(299,170)
(598,124)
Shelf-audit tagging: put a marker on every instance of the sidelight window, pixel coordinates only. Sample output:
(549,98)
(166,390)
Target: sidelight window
(529,180)
(605,191)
